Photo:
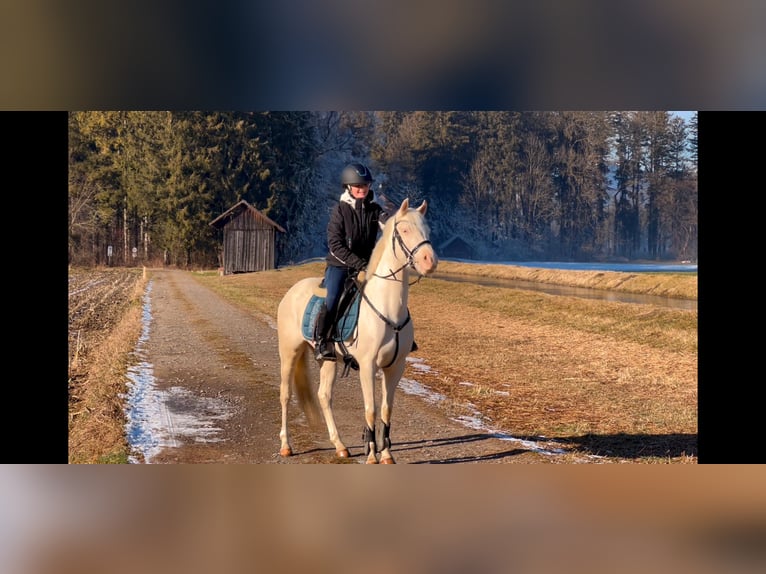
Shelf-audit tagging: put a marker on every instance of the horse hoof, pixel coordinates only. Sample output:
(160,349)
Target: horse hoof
(287,451)
(342,453)
(372,461)
(387,461)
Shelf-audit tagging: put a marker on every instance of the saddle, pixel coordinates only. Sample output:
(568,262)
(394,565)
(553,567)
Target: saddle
(346,318)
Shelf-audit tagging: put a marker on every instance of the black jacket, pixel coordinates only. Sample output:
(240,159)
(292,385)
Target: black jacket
(353,231)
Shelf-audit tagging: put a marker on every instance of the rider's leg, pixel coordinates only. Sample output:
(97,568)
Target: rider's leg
(334,280)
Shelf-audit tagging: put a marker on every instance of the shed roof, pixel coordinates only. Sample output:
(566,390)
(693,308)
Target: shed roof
(238,208)
(457,240)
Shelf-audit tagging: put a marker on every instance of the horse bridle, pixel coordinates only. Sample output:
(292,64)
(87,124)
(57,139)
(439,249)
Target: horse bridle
(396,237)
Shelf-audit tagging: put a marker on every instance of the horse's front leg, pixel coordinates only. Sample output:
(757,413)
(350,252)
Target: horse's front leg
(327,374)
(367,379)
(391,377)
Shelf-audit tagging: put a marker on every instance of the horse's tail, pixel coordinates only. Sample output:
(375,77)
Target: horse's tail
(306,397)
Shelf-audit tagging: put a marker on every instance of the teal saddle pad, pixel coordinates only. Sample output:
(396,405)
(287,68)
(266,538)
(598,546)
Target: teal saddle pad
(346,324)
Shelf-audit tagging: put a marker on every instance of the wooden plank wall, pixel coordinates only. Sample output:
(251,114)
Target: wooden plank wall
(248,244)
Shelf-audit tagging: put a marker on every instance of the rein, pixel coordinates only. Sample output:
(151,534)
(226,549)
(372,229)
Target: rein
(409,262)
(388,322)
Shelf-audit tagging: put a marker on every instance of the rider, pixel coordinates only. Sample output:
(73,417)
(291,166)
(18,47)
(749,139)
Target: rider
(351,236)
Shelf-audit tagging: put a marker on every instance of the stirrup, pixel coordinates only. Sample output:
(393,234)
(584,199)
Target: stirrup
(325,352)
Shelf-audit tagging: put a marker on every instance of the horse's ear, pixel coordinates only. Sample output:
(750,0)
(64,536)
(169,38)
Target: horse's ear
(405,206)
(423,207)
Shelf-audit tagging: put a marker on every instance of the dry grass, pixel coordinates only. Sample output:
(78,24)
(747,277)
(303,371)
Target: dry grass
(611,378)
(262,291)
(566,365)
(105,314)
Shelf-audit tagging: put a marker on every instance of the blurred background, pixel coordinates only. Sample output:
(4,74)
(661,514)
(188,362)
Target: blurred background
(350,519)
(433,54)
(297,54)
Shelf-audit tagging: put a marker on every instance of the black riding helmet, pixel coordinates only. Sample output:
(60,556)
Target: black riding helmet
(355,174)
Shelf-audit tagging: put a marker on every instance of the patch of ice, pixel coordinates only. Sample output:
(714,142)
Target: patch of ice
(412,387)
(158,419)
(419,365)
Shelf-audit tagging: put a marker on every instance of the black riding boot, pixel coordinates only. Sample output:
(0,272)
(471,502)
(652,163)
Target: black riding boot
(325,348)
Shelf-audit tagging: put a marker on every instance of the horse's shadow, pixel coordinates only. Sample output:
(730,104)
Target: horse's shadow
(635,447)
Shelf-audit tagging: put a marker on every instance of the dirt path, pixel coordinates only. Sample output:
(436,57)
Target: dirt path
(216,371)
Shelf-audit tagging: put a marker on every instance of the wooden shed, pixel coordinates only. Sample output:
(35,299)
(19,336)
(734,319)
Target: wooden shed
(249,239)
(457,247)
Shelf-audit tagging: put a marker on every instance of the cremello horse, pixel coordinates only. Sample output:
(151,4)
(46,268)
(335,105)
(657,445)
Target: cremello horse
(383,338)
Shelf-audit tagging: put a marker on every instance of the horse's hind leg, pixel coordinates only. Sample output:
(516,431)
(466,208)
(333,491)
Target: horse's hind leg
(287,372)
(327,374)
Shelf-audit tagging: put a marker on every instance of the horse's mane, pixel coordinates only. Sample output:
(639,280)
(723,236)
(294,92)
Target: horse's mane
(380,246)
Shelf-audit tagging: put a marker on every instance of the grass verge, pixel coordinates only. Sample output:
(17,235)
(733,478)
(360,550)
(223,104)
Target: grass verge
(96,411)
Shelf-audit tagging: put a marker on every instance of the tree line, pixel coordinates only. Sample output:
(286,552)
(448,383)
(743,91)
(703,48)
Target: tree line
(145,185)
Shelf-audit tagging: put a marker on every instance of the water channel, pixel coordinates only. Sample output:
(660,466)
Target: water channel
(584,292)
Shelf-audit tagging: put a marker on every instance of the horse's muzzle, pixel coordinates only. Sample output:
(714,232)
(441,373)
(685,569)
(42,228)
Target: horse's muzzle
(425,261)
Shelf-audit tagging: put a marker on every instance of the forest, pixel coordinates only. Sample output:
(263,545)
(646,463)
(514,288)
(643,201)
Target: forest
(144,186)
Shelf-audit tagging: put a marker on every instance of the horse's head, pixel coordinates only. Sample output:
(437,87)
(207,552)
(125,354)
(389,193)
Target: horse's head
(411,233)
